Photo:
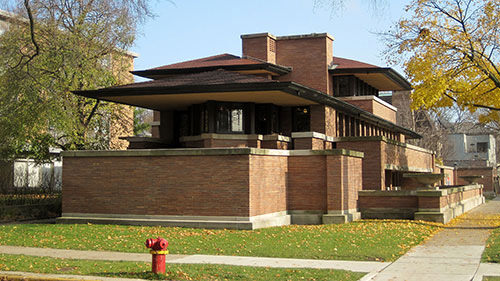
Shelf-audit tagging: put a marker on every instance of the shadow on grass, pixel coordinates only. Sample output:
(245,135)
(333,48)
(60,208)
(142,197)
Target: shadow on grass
(136,275)
(443,226)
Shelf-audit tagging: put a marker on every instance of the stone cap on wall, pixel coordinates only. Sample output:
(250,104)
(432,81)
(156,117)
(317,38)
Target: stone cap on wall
(209,152)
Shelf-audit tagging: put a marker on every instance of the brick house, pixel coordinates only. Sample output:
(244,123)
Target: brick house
(287,133)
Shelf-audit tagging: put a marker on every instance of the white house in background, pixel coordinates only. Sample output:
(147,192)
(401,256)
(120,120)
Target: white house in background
(472,150)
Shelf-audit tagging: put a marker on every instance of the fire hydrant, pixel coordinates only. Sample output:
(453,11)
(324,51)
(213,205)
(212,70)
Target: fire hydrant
(158,250)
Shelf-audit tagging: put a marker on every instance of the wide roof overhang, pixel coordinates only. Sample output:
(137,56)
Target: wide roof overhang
(262,68)
(275,92)
(383,79)
(167,98)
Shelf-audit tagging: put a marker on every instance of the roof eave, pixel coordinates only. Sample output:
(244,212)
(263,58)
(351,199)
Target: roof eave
(387,71)
(288,87)
(152,73)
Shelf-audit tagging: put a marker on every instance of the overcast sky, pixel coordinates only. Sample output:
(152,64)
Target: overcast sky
(190,29)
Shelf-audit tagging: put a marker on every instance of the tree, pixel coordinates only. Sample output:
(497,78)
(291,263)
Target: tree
(339,5)
(53,47)
(450,50)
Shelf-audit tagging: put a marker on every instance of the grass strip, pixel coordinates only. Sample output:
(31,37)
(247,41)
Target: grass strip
(491,251)
(491,278)
(369,240)
(173,271)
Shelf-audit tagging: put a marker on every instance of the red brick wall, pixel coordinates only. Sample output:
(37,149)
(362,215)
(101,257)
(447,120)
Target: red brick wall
(379,153)
(406,157)
(308,143)
(488,174)
(396,202)
(344,180)
(373,170)
(260,47)
(354,181)
(268,183)
(416,202)
(272,144)
(162,185)
(216,185)
(309,58)
(306,183)
(374,107)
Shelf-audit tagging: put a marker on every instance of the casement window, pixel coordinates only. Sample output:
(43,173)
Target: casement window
(301,119)
(482,147)
(229,118)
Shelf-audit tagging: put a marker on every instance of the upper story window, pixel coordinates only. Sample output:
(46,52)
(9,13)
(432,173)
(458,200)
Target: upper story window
(350,85)
(482,147)
(266,119)
(301,119)
(229,118)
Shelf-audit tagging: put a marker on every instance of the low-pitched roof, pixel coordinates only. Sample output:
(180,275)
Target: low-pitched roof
(342,63)
(223,61)
(213,77)
(186,89)
(381,78)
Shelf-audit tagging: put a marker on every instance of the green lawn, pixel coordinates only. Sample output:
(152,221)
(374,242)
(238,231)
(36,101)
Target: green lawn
(491,278)
(173,272)
(492,251)
(381,240)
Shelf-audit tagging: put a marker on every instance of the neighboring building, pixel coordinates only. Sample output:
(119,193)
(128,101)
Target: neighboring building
(285,133)
(472,150)
(475,154)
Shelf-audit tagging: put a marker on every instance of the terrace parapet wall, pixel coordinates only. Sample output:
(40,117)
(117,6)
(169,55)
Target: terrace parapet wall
(489,176)
(429,205)
(386,154)
(243,188)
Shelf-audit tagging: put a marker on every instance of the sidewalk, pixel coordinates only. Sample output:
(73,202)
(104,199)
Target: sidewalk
(452,254)
(357,266)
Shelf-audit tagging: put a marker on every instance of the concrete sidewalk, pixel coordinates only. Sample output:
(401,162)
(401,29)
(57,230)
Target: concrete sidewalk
(357,266)
(452,254)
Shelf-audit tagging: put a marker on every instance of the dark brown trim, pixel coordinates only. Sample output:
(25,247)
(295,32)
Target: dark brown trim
(287,87)
(153,73)
(388,72)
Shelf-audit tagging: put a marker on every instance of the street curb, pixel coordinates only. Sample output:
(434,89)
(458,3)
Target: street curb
(29,276)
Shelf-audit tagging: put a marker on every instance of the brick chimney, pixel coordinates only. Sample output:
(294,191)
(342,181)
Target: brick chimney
(309,55)
(260,46)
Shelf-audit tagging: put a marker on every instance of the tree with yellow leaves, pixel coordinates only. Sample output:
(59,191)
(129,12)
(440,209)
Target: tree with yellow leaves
(451,52)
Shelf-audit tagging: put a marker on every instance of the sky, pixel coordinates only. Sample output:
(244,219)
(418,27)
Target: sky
(189,29)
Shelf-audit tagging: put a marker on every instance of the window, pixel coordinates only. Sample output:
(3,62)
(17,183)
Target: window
(266,119)
(482,147)
(341,84)
(229,118)
(301,119)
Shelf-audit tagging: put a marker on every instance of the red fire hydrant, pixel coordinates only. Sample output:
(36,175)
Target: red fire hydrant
(158,250)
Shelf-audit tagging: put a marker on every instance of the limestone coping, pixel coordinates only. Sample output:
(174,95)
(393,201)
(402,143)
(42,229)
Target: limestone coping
(421,193)
(277,137)
(374,98)
(445,167)
(221,137)
(209,152)
(386,193)
(384,139)
(407,168)
(303,135)
(448,191)
(287,37)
